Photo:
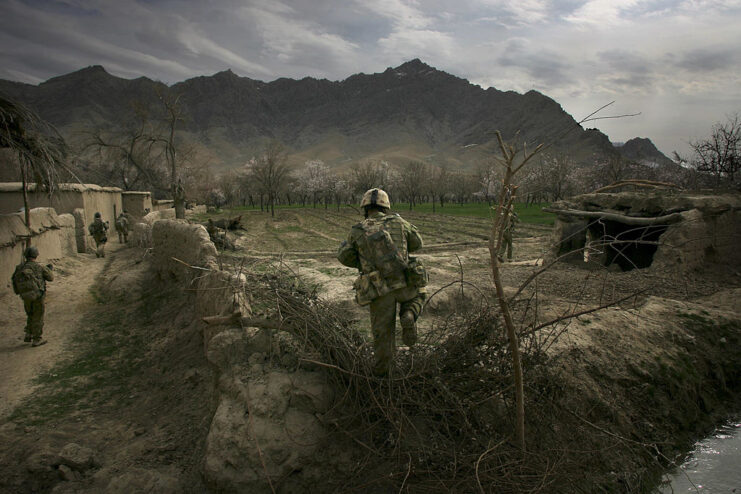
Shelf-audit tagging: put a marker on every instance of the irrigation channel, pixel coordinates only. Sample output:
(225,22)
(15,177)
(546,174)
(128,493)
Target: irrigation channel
(714,467)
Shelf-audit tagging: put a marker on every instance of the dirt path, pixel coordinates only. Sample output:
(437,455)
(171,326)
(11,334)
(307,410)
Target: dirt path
(68,297)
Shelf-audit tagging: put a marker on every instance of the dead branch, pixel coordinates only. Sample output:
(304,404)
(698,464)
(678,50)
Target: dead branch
(638,183)
(628,220)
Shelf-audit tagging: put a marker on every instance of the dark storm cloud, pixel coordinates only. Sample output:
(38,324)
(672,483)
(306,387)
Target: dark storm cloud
(628,69)
(580,52)
(548,67)
(707,60)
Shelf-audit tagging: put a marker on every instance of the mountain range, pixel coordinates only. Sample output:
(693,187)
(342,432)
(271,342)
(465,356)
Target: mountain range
(410,112)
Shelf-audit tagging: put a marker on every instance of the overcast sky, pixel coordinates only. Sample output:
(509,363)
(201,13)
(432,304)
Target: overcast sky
(678,62)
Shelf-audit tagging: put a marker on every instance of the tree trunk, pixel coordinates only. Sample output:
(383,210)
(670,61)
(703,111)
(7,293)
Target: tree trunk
(26,212)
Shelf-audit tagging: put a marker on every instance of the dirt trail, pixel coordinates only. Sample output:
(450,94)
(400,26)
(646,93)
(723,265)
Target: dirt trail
(68,296)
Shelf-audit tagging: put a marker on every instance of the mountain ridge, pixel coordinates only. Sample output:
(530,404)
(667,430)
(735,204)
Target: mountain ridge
(410,112)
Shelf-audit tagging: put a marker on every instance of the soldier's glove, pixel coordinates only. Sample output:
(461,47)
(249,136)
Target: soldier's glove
(50,266)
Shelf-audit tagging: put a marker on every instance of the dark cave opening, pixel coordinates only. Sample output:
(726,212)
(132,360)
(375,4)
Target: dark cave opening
(628,246)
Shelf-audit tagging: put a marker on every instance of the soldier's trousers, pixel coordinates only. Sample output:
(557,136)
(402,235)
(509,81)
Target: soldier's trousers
(506,245)
(34,317)
(383,322)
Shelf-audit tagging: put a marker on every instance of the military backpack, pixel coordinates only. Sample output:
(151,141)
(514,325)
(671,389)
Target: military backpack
(384,263)
(26,282)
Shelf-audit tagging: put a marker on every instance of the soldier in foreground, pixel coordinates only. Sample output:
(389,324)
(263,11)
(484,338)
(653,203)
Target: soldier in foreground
(379,247)
(122,227)
(29,282)
(98,229)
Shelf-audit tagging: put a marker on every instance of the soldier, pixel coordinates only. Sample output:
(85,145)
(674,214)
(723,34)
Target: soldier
(379,247)
(509,230)
(219,236)
(122,227)
(98,229)
(29,282)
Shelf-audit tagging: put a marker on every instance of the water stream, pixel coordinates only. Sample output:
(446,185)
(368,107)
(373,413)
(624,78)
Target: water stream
(714,467)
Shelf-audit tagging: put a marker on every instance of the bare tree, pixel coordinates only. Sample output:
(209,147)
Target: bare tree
(510,153)
(173,112)
(128,157)
(559,171)
(438,184)
(270,171)
(369,174)
(39,147)
(412,181)
(719,154)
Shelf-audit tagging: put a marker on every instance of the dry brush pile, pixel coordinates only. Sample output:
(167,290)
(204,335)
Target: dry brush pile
(443,420)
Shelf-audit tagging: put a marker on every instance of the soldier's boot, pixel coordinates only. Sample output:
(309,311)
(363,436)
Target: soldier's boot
(408,328)
(38,342)
(27,337)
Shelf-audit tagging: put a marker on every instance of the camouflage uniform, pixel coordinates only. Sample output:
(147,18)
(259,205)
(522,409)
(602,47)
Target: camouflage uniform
(353,253)
(219,236)
(507,236)
(122,228)
(34,308)
(98,230)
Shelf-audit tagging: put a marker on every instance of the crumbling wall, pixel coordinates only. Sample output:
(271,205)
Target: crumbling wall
(700,238)
(176,245)
(141,232)
(50,233)
(673,231)
(135,203)
(267,426)
(162,204)
(67,234)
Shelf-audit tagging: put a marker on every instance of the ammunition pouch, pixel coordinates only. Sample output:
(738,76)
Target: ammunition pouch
(416,274)
(369,287)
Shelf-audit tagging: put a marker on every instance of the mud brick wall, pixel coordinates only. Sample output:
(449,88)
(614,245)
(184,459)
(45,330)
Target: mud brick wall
(188,243)
(53,235)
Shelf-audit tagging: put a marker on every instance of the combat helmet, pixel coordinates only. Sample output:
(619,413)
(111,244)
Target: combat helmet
(97,215)
(31,253)
(375,197)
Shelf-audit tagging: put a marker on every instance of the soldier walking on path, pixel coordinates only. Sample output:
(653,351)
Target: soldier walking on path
(98,229)
(509,231)
(29,282)
(379,247)
(122,227)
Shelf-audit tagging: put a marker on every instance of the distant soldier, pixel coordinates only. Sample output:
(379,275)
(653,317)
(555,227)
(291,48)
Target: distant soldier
(29,282)
(219,236)
(509,230)
(379,247)
(122,227)
(98,229)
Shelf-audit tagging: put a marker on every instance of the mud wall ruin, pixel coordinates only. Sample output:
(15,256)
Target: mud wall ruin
(136,203)
(161,204)
(660,230)
(266,422)
(52,234)
(83,200)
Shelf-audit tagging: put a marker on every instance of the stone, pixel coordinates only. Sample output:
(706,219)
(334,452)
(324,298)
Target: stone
(78,457)
(142,480)
(41,461)
(227,349)
(66,473)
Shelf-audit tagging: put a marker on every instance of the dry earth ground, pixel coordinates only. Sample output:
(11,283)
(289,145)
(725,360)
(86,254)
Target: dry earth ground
(119,400)
(124,374)
(456,249)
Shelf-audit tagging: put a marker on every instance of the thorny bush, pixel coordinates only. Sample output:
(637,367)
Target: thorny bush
(442,421)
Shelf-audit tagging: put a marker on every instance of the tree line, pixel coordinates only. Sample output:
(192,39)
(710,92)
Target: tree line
(146,151)
(269,180)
